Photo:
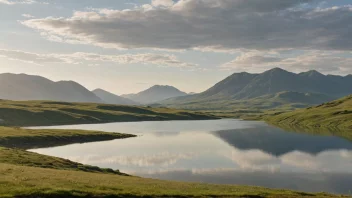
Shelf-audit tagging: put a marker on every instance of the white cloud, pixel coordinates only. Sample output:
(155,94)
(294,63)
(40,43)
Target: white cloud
(164,3)
(27,16)
(165,60)
(13,2)
(323,61)
(198,24)
(30,57)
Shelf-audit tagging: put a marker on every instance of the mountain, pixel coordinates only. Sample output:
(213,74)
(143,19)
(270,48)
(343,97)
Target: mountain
(110,98)
(248,87)
(28,87)
(336,114)
(155,94)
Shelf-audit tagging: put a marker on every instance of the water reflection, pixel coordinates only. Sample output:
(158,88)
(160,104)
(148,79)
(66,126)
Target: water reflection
(277,142)
(223,151)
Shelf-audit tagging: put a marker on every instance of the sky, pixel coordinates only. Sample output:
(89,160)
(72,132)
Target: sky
(125,46)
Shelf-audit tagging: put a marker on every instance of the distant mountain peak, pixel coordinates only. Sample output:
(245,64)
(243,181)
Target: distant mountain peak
(163,86)
(276,70)
(98,89)
(312,73)
(155,93)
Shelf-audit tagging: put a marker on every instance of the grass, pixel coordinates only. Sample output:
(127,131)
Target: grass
(43,113)
(25,158)
(29,138)
(20,181)
(13,140)
(284,101)
(332,118)
(333,115)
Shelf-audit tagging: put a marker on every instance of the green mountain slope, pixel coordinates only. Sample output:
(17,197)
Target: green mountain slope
(251,90)
(287,100)
(336,114)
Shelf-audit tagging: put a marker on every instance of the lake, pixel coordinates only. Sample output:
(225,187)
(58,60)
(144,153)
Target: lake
(219,151)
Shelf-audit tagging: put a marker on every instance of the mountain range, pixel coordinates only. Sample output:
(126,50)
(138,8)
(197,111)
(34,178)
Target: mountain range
(270,89)
(273,89)
(29,87)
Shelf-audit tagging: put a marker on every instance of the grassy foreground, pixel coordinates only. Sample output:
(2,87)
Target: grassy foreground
(43,113)
(20,181)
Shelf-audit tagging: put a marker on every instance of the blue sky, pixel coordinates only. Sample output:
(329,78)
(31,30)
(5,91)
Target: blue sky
(125,46)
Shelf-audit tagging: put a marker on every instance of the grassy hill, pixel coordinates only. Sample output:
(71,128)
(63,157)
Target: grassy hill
(333,115)
(244,91)
(284,101)
(40,113)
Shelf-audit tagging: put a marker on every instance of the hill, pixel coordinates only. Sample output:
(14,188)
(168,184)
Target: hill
(286,100)
(155,94)
(41,113)
(243,88)
(335,115)
(27,87)
(110,98)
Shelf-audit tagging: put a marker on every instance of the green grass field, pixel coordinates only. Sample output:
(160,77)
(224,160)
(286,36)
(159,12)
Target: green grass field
(43,113)
(21,181)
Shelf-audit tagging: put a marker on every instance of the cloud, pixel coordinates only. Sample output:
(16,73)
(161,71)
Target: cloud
(27,16)
(30,57)
(165,60)
(198,24)
(13,2)
(323,61)
(164,3)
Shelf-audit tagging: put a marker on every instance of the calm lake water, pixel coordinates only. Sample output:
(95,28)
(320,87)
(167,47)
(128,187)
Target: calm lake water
(219,151)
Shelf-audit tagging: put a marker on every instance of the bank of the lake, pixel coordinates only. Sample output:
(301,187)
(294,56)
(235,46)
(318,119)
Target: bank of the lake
(46,113)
